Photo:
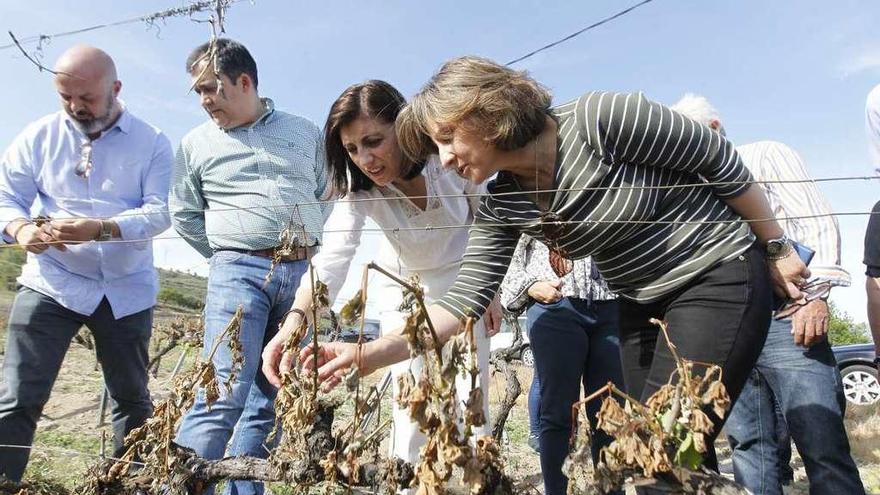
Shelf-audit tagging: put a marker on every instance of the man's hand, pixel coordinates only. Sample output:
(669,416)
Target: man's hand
(492,318)
(276,362)
(36,239)
(546,291)
(809,324)
(74,230)
(787,275)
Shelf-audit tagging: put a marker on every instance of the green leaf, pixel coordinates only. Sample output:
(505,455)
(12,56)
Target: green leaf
(687,455)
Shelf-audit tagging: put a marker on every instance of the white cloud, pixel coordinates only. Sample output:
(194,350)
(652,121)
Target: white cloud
(867,59)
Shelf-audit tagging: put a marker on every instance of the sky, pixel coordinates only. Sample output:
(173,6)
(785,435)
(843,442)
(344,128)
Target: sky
(794,71)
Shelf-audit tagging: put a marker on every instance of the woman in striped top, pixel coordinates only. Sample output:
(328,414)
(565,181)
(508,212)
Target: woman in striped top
(657,199)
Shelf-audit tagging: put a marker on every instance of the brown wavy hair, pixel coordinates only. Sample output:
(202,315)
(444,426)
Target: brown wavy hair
(507,107)
(377,100)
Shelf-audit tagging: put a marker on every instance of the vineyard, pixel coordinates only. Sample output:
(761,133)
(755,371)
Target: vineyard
(659,443)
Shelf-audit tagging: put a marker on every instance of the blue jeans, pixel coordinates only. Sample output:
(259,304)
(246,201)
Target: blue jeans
(783,445)
(806,385)
(574,342)
(534,401)
(39,334)
(239,279)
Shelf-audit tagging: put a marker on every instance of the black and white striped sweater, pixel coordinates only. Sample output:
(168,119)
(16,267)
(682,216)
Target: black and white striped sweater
(619,158)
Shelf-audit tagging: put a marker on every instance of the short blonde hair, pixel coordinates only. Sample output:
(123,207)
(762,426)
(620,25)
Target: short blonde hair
(507,107)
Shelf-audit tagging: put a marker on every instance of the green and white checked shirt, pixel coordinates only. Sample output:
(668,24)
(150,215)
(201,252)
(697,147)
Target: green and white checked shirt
(239,188)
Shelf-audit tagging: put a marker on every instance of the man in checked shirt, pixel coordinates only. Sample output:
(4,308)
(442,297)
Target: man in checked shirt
(796,374)
(236,180)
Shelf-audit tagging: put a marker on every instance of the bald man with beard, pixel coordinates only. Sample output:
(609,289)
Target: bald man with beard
(101,176)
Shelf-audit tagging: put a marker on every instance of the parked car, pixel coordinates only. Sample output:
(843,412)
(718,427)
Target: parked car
(856,364)
(504,339)
(372,331)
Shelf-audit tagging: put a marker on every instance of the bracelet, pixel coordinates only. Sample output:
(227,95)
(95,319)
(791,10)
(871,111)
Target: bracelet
(298,311)
(18,229)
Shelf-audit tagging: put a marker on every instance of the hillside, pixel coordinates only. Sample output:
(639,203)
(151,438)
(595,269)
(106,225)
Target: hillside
(179,291)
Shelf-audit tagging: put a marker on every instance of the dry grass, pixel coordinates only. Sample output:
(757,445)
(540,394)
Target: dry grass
(863,428)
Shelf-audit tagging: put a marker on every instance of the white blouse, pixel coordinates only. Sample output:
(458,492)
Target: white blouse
(421,250)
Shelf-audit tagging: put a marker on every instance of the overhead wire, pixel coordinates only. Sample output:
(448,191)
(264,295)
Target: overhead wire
(193,8)
(579,32)
(321,202)
(385,231)
(203,5)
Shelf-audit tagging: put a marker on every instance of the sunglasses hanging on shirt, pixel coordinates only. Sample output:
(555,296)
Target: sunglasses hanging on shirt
(84,167)
(551,227)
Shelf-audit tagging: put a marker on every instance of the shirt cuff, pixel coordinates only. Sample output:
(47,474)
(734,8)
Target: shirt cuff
(131,228)
(7,239)
(837,277)
(13,215)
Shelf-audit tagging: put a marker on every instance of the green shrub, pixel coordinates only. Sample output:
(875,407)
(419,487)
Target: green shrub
(842,330)
(174,297)
(11,260)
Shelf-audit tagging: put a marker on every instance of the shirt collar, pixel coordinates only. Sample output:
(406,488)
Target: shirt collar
(266,117)
(123,123)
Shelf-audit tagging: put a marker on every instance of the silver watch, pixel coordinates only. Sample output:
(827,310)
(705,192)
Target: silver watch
(779,248)
(106,231)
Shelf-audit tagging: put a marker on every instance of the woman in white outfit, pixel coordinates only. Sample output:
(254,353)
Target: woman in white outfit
(374,180)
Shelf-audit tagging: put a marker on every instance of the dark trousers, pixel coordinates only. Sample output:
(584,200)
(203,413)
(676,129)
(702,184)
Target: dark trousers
(721,317)
(575,342)
(39,333)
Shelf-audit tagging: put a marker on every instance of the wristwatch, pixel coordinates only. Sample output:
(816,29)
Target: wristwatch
(106,231)
(779,248)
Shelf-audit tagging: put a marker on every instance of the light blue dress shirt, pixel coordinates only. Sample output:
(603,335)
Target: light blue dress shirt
(128,184)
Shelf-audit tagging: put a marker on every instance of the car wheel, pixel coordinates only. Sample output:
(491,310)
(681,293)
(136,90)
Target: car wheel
(860,385)
(527,358)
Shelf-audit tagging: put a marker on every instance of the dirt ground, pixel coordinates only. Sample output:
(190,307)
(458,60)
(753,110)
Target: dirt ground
(70,435)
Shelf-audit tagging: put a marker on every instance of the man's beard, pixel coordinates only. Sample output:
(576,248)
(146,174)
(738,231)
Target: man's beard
(89,124)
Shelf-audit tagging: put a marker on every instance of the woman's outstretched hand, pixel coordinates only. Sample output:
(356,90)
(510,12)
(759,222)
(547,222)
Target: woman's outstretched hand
(333,361)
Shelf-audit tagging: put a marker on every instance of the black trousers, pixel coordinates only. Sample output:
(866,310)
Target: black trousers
(38,336)
(721,317)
